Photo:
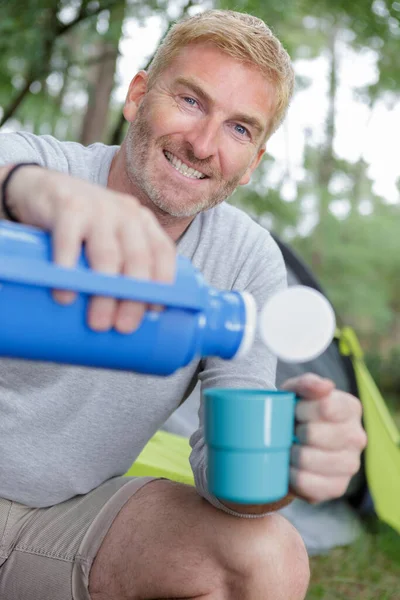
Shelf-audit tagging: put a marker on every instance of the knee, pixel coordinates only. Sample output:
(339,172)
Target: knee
(266,558)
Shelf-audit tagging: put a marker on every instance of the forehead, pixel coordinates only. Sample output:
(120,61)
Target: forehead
(230,83)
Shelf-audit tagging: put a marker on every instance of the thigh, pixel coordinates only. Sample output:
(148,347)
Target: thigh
(47,553)
(168,542)
(156,546)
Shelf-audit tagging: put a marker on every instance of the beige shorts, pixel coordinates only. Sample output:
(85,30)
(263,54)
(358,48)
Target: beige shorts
(47,553)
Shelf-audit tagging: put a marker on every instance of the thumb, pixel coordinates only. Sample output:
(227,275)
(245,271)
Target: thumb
(309,386)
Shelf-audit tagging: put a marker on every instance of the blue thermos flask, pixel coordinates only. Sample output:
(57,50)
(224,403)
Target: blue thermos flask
(197,321)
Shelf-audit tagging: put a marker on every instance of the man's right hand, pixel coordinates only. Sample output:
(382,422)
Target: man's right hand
(120,236)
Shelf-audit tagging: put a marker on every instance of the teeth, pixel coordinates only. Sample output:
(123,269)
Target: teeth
(182,168)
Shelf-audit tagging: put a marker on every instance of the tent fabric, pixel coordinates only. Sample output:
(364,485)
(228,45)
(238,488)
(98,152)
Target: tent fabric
(382,455)
(165,455)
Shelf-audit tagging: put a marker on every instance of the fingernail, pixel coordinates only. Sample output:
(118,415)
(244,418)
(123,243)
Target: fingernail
(63,297)
(126,325)
(99,323)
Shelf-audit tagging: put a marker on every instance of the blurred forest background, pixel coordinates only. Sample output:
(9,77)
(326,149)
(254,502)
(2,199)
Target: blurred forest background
(328,185)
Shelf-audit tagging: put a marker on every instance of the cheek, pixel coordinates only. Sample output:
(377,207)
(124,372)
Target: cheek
(168,119)
(235,161)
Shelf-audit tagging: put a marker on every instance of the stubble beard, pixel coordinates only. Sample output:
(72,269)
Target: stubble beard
(138,145)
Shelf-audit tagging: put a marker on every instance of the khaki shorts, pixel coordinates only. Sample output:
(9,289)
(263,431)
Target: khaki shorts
(47,553)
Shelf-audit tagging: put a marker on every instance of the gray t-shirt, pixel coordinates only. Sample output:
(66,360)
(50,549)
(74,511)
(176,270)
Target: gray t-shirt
(64,430)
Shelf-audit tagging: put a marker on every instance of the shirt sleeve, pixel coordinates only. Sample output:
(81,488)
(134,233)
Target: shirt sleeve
(263,275)
(26,147)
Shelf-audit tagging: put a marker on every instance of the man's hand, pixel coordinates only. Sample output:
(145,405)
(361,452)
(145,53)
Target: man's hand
(331,439)
(120,235)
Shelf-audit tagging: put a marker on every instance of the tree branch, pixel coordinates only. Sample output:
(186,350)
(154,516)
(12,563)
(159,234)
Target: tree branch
(62,28)
(16,101)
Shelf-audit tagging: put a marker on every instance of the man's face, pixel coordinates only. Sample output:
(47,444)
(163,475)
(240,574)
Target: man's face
(197,133)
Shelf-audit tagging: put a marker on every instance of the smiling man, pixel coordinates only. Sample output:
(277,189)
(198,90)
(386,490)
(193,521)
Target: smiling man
(71,527)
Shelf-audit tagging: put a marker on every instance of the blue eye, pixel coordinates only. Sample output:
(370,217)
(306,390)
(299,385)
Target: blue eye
(240,129)
(190,100)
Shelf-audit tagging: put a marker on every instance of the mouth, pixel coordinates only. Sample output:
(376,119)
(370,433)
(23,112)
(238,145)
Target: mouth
(183,168)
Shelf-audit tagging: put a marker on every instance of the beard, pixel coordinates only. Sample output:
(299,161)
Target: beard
(161,194)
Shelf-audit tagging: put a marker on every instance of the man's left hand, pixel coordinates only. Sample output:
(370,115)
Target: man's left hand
(331,439)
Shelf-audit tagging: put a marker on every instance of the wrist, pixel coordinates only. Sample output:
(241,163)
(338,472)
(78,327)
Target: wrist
(14,190)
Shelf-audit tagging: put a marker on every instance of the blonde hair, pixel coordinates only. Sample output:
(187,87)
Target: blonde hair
(243,37)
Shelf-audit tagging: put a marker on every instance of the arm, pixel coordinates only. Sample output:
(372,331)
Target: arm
(329,429)
(120,235)
(262,275)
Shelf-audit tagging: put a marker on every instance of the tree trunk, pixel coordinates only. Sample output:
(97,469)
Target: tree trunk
(101,83)
(326,164)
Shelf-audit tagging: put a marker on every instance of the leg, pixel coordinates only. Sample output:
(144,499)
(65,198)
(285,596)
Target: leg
(167,542)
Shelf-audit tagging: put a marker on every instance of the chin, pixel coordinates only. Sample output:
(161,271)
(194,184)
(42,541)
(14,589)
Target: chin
(179,210)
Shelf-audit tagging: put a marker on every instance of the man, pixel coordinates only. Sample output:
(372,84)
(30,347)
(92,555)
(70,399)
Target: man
(72,527)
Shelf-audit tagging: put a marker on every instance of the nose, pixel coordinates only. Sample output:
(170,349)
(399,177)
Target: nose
(203,137)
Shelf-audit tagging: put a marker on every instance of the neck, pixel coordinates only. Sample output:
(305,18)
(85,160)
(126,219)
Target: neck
(119,181)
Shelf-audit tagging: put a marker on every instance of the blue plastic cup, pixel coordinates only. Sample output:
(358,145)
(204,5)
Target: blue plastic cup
(249,434)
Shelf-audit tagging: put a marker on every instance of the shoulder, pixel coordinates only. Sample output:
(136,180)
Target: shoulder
(88,162)
(234,251)
(237,232)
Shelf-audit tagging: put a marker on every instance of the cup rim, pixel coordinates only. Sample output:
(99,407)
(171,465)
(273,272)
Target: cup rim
(251,392)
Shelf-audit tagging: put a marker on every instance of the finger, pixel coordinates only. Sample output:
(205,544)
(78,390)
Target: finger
(317,488)
(67,239)
(104,255)
(163,249)
(163,252)
(138,264)
(309,386)
(338,406)
(326,436)
(321,462)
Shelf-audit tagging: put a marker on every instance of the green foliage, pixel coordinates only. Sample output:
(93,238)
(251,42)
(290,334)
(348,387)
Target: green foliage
(386,371)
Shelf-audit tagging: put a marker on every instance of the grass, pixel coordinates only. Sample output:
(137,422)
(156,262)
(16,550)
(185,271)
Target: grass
(367,570)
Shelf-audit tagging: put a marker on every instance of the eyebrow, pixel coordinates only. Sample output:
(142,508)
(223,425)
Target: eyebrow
(253,122)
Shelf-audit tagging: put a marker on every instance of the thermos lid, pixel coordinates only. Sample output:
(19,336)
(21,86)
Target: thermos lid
(250,326)
(297,324)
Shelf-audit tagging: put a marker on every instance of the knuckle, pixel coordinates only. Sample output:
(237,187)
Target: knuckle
(327,408)
(355,405)
(70,202)
(357,436)
(363,439)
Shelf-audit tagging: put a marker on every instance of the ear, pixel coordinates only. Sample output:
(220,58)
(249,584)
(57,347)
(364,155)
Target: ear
(254,164)
(134,97)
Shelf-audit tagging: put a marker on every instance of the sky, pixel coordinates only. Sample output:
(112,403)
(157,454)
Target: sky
(373,135)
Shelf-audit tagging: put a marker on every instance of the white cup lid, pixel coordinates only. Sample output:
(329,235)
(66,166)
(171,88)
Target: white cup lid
(297,324)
